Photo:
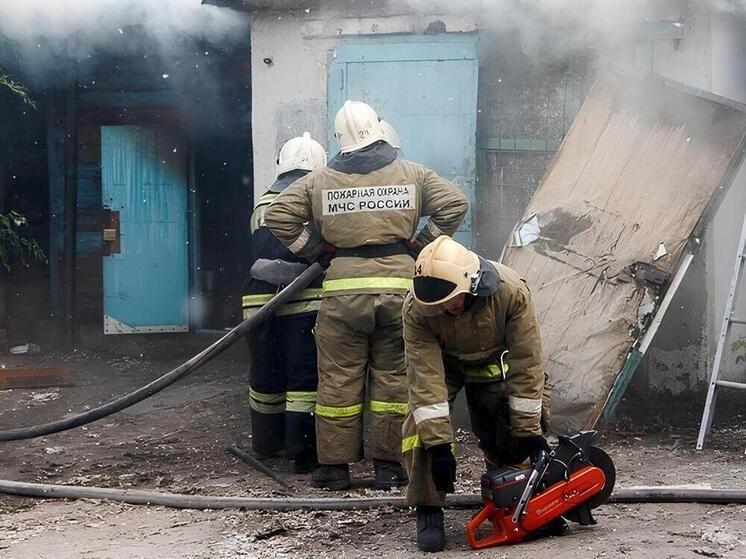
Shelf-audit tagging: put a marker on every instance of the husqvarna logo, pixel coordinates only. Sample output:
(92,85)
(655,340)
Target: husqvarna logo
(547,507)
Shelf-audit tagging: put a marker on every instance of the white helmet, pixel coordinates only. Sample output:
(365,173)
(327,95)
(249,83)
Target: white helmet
(390,135)
(301,153)
(356,126)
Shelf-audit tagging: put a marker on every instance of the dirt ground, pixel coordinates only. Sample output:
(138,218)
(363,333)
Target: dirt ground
(176,442)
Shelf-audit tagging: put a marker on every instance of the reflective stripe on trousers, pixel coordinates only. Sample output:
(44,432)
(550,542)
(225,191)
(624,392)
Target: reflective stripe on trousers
(376,406)
(301,402)
(398,408)
(267,403)
(334,411)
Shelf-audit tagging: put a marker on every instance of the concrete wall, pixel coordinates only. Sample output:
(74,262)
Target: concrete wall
(289,92)
(712,56)
(676,361)
(729,80)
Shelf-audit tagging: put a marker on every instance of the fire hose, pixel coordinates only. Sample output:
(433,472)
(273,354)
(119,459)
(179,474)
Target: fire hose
(265,312)
(175,500)
(181,501)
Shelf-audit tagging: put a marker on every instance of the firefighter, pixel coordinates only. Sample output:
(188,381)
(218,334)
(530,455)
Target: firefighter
(390,135)
(468,323)
(282,371)
(362,213)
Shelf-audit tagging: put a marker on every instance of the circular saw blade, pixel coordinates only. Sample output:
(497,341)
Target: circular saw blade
(604,462)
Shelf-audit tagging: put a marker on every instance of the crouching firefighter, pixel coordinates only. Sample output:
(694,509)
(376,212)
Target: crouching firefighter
(365,206)
(468,323)
(282,370)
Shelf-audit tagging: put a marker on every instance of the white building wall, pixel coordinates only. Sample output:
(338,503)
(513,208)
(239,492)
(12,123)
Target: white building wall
(728,80)
(289,92)
(712,57)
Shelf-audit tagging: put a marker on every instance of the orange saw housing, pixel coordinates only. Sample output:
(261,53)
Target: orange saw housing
(565,483)
(548,505)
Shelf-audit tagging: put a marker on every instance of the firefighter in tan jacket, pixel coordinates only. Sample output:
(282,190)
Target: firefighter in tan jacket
(363,210)
(468,323)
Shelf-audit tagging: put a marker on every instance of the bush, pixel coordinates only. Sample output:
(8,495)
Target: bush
(14,247)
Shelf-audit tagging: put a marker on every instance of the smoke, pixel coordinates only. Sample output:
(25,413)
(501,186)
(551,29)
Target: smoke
(547,31)
(41,31)
(557,27)
(730,7)
(550,28)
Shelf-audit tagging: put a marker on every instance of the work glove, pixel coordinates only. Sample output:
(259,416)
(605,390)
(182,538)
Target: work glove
(277,272)
(534,446)
(326,255)
(443,467)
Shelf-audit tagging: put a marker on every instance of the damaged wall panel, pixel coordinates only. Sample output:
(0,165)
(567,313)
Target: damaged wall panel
(640,170)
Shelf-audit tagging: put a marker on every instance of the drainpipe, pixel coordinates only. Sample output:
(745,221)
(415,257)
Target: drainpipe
(71,201)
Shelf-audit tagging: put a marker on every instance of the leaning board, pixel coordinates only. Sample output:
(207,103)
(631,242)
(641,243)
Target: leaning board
(635,180)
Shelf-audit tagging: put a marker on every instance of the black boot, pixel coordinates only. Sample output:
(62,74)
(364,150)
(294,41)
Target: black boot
(389,475)
(331,476)
(430,533)
(558,527)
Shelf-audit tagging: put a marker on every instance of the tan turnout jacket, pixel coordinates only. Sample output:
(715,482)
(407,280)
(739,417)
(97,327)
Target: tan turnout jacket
(503,321)
(378,208)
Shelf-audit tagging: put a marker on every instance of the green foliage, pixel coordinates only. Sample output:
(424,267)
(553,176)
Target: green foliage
(14,247)
(739,347)
(16,89)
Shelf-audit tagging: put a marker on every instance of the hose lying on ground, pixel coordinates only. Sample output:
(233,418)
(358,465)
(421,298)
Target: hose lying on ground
(176,500)
(258,465)
(172,376)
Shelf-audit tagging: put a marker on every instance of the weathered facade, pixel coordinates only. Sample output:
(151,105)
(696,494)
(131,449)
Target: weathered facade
(527,99)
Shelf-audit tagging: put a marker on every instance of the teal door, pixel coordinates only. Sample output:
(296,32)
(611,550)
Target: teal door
(144,196)
(426,87)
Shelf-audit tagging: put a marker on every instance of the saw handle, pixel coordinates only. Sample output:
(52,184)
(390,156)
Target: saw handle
(497,537)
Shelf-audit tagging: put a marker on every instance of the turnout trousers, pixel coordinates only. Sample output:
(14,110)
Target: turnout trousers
(360,345)
(487,401)
(282,380)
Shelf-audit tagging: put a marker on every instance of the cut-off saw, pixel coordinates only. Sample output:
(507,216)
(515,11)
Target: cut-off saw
(566,483)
